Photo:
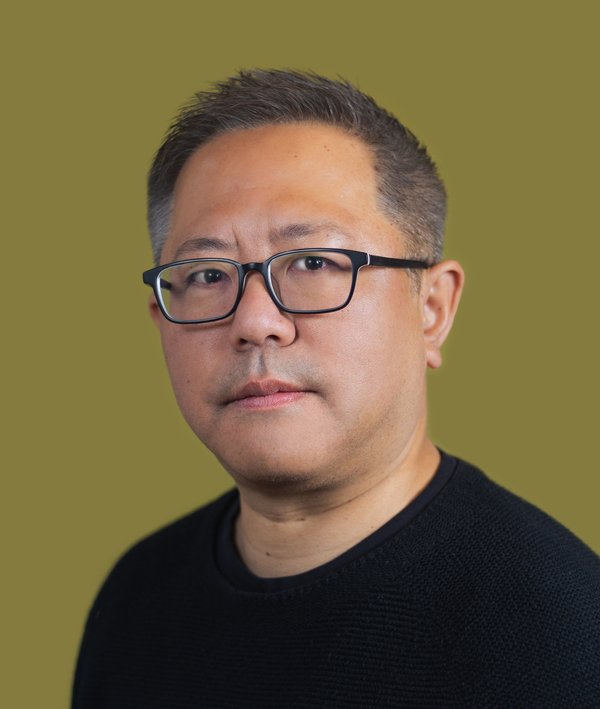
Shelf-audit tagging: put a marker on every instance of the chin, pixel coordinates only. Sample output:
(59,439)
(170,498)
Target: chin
(276,474)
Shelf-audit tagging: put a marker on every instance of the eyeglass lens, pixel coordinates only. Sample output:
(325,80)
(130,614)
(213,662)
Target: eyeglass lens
(203,290)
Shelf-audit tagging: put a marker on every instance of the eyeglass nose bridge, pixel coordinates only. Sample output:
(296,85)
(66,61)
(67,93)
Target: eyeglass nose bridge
(261,267)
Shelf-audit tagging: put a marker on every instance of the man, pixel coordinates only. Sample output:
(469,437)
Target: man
(300,298)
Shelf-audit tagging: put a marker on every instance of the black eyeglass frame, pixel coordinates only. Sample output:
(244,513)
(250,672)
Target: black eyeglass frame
(359,259)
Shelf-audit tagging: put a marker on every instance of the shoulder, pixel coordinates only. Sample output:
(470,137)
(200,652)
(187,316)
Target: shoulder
(160,572)
(498,538)
(489,517)
(165,555)
(519,593)
(490,545)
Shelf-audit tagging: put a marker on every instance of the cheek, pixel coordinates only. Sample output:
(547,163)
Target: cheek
(373,350)
(187,364)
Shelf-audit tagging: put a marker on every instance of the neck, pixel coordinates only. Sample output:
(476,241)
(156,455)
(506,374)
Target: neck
(284,537)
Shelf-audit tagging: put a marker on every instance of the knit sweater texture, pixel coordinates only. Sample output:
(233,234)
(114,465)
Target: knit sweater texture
(469,597)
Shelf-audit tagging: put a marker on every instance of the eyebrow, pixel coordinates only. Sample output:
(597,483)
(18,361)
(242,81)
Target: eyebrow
(286,232)
(300,230)
(201,243)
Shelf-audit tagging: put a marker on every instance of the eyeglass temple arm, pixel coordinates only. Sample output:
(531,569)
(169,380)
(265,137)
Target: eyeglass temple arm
(397,262)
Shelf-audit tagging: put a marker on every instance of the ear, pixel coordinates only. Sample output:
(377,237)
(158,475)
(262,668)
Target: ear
(440,292)
(155,313)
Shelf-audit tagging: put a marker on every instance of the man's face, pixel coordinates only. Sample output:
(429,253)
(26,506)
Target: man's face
(357,375)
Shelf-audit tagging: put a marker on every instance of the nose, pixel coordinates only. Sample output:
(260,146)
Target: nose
(257,319)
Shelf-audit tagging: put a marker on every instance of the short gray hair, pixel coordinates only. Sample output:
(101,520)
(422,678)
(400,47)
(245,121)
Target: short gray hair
(410,190)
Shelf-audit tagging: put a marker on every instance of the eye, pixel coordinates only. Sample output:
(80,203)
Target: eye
(207,277)
(311,263)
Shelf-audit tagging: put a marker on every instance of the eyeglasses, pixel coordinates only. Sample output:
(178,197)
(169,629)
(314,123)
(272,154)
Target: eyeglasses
(307,281)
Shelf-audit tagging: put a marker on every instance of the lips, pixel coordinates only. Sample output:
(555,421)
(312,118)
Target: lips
(263,388)
(268,391)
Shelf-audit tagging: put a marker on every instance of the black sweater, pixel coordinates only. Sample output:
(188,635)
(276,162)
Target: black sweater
(469,597)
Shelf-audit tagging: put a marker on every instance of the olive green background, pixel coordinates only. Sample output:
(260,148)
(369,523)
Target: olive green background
(95,453)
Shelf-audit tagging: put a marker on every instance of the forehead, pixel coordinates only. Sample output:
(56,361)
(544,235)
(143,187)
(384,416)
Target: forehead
(249,182)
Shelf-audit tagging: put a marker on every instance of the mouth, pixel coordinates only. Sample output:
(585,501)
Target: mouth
(266,394)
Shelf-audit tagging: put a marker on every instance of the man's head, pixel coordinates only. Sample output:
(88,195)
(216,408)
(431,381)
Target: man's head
(409,189)
(297,401)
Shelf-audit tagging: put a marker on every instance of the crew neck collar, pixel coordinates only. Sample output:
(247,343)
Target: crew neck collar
(239,576)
